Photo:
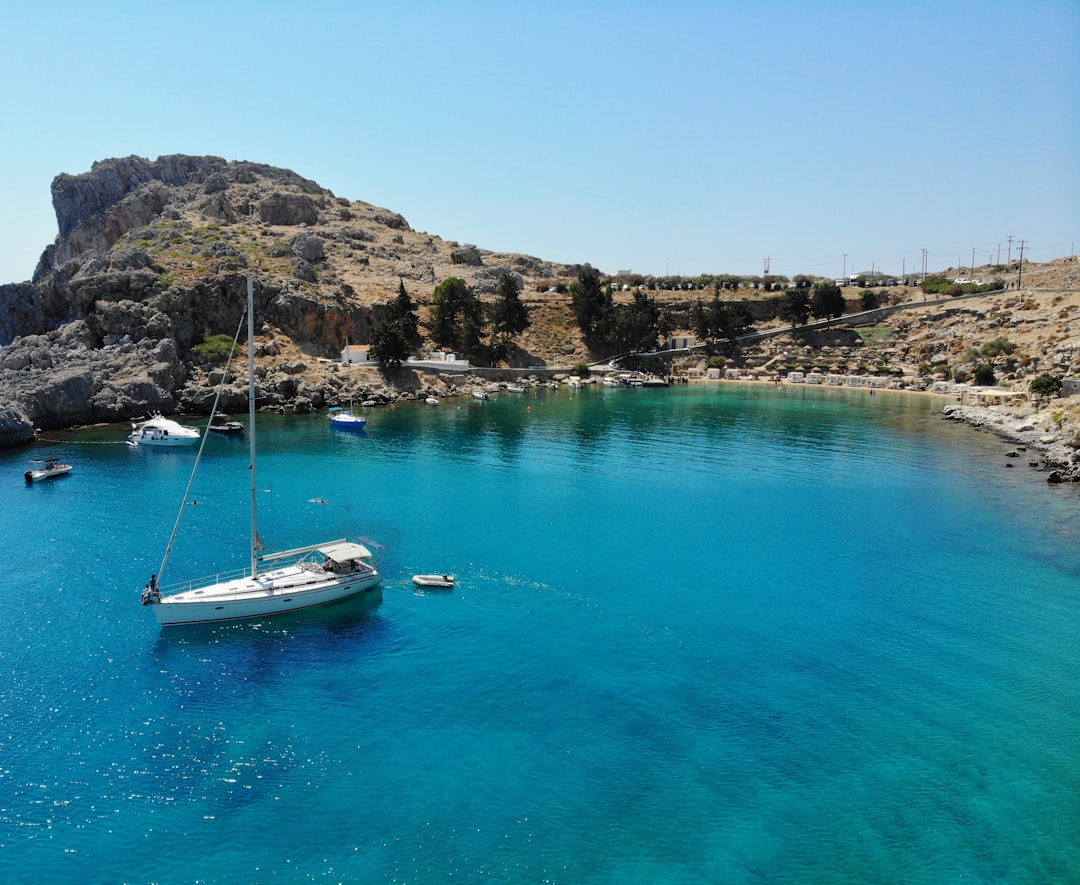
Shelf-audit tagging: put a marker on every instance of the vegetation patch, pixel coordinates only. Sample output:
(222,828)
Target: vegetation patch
(874,334)
(214,350)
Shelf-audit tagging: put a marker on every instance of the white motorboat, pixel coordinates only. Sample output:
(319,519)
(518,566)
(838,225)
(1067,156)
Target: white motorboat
(159,431)
(295,579)
(514,388)
(480,394)
(346,420)
(432,401)
(441,581)
(46,468)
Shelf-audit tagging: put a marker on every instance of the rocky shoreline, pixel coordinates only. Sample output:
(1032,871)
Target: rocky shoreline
(1030,429)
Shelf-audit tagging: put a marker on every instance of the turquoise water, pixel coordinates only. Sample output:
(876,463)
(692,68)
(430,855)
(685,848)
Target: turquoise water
(704,634)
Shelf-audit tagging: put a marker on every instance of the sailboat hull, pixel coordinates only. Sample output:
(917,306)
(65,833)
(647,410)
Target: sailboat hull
(288,589)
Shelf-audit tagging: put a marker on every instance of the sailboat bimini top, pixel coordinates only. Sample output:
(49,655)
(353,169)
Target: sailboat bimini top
(344,551)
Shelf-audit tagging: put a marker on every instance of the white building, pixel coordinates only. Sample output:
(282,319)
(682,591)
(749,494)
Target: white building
(356,355)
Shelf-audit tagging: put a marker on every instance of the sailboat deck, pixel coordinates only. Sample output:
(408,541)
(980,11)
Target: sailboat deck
(305,575)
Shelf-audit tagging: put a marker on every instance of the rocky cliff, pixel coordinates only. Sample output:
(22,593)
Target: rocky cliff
(151,258)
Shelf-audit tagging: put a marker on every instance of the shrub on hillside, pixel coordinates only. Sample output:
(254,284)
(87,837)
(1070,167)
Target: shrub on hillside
(214,350)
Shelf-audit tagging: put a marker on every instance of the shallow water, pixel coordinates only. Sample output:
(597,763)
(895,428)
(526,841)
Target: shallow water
(703,634)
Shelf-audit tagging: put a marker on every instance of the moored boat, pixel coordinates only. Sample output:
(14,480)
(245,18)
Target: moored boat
(441,581)
(346,420)
(47,468)
(223,424)
(159,431)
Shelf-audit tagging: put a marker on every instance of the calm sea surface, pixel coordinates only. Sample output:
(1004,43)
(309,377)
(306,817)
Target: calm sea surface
(700,635)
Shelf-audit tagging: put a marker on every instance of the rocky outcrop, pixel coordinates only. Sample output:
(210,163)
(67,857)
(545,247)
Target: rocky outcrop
(288,209)
(468,255)
(15,428)
(151,260)
(24,311)
(55,380)
(1058,455)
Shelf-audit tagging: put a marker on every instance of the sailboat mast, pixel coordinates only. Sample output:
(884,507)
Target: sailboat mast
(251,427)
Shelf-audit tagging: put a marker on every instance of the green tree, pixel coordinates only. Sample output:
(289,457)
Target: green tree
(457,318)
(699,321)
(795,307)
(732,321)
(1046,385)
(666,324)
(509,316)
(636,325)
(869,299)
(592,305)
(398,336)
(403,311)
(984,375)
(827,300)
(388,345)
(719,319)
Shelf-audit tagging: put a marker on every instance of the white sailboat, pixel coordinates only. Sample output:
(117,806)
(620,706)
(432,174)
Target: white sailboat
(294,579)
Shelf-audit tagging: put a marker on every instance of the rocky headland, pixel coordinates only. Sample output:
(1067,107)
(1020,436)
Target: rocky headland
(152,258)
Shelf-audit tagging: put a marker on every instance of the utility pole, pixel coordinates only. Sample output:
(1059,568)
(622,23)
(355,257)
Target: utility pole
(844,275)
(924,264)
(1010,239)
(1020,273)
(998,254)
(972,263)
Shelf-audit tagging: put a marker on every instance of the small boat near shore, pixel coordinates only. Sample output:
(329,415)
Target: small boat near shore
(443,582)
(163,432)
(432,401)
(480,394)
(514,388)
(47,468)
(224,424)
(346,420)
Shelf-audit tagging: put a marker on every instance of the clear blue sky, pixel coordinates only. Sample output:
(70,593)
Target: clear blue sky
(662,137)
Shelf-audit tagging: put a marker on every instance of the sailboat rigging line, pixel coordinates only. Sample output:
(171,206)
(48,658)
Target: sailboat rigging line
(202,443)
(349,515)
